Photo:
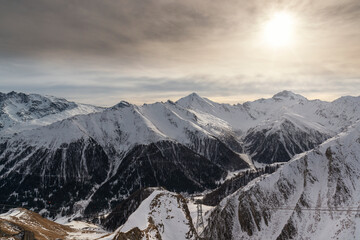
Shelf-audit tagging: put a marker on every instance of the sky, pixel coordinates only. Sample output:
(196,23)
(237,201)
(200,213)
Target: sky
(101,52)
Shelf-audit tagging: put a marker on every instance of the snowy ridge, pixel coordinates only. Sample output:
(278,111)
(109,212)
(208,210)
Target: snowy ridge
(126,126)
(223,116)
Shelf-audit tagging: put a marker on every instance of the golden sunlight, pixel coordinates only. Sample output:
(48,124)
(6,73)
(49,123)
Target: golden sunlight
(279,30)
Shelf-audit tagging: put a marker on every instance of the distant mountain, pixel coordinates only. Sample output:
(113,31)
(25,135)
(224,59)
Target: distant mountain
(20,111)
(314,196)
(275,129)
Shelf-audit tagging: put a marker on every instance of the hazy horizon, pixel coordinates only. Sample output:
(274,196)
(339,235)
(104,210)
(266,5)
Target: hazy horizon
(146,51)
(214,99)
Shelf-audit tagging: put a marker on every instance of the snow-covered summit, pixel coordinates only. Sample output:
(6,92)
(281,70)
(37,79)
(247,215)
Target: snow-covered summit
(194,101)
(191,97)
(288,95)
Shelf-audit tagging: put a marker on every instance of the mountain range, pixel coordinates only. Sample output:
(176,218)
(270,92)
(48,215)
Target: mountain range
(76,161)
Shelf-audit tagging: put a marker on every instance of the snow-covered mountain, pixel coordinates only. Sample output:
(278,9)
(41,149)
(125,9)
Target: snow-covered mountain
(314,196)
(275,129)
(20,111)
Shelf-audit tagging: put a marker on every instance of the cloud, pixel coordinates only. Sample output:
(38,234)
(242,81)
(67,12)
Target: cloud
(121,28)
(158,49)
(131,32)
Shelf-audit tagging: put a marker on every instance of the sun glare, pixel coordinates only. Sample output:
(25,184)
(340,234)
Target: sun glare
(279,30)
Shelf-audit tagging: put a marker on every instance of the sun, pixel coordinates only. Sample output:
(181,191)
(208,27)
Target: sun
(279,30)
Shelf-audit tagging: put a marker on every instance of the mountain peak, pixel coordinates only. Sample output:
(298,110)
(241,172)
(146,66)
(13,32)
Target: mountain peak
(12,93)
(287,95)
(122,104)
(190,98)
(194,94)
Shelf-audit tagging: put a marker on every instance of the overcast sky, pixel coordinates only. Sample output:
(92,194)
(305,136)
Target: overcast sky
(101,52)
